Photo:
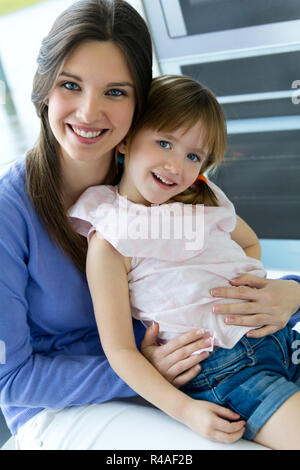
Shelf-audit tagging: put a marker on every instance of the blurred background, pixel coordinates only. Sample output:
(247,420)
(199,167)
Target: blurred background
(246,51)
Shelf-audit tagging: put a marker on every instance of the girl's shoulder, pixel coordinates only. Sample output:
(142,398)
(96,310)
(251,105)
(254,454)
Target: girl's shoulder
(93,198)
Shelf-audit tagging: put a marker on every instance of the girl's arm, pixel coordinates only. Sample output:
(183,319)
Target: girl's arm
(246,238)
(107,278)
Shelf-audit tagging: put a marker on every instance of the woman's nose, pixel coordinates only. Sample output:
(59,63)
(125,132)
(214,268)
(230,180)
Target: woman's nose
(91,109)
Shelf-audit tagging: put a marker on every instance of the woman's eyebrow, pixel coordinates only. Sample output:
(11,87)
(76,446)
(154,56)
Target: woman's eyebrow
(70,75)
(121,84)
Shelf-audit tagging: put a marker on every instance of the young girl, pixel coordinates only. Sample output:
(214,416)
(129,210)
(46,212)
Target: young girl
(180,136)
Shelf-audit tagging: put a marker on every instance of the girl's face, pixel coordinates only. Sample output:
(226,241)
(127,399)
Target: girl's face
(92,104)
(160,165)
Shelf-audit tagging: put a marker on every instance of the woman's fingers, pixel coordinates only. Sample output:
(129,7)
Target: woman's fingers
(151,335)
(175,359)
(186,343)
(249,280)
(249,320)
(242,293)
(184,371)
(186,376)
(264,331)
(243,308)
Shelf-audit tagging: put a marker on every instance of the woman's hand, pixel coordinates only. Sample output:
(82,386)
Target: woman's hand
(270,303)
(174,359)
(213,422)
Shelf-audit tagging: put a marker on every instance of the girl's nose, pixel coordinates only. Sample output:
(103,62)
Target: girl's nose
(174,164)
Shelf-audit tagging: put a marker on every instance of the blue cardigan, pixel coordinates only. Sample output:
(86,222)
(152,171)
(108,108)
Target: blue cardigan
(53,356)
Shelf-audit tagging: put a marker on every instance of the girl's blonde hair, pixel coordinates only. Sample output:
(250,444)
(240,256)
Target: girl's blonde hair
(99,20)
(176,102)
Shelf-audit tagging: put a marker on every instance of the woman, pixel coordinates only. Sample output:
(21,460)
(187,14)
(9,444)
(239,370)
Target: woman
(94,72)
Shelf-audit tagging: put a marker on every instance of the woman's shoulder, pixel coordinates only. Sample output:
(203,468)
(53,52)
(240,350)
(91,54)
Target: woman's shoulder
(16,212)
(12,173)
(13,192)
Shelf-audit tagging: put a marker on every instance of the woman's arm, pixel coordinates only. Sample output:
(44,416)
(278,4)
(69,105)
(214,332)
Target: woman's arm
(268,302)
(246,238)
(31,376)
(107,278)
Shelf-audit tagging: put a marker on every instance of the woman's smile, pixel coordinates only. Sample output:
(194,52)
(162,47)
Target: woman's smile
(86,135)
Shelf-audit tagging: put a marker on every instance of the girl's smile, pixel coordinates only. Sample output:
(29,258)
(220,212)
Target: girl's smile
(163,182)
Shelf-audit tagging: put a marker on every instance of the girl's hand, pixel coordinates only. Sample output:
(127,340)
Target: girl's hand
(173,359)
(213,422)
(270,303)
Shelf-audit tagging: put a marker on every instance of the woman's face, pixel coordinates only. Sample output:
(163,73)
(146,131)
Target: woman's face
(92,104)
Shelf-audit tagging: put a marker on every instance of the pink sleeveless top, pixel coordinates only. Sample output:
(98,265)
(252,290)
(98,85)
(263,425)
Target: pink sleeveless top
(179,252)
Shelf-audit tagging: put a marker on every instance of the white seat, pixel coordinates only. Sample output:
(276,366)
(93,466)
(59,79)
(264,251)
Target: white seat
(153,431)
(9,445)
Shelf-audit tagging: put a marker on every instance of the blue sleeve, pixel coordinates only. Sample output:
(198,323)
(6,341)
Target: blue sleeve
(28,378)
(296,317)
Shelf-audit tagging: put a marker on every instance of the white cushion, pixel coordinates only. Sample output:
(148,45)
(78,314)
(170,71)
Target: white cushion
(138,425)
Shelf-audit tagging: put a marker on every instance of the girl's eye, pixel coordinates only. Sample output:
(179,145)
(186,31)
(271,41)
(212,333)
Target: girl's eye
(70,86)
(165,144)
(193,157)
(116,92)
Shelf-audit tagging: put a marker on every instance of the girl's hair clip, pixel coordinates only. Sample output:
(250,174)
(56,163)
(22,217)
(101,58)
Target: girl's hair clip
(201,178)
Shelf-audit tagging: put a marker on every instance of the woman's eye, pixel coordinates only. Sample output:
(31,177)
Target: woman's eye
(193,157)
(70,86)
(164,144)
(116,92)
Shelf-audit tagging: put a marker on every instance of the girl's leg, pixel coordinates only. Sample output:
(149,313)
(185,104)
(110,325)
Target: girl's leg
(282,430)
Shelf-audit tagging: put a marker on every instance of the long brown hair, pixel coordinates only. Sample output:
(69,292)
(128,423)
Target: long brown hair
(177,101)
(101,20)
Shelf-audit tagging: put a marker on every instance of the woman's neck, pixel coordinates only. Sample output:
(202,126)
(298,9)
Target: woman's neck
(78,176)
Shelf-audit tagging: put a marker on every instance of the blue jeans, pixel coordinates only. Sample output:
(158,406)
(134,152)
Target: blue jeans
(253,379)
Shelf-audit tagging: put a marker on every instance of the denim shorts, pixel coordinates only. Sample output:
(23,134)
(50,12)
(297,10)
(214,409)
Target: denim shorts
(253,379)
